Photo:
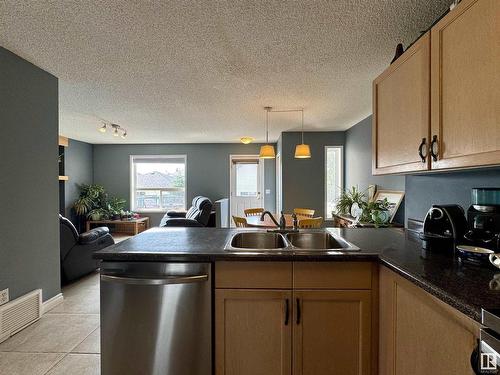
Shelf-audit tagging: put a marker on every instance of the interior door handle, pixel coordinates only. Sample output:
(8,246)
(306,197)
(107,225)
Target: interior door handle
(160,281)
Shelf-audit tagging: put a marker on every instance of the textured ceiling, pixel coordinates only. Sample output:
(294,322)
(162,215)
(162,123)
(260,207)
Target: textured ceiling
(202,71)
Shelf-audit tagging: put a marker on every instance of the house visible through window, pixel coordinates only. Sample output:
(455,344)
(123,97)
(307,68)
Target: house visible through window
(158,182)
(334,174)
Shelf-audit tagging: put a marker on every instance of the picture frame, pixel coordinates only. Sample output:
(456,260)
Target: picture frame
(394,197)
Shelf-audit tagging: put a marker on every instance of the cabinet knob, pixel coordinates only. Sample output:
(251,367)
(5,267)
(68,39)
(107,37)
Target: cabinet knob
(434,148)
(422,148)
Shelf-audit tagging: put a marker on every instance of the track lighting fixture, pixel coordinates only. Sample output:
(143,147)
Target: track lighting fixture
(118,131)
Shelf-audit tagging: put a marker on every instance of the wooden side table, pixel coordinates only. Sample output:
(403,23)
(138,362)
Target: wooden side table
(133,226)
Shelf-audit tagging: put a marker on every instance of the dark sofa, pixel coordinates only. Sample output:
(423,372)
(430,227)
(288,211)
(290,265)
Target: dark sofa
(77,249)
(199,215)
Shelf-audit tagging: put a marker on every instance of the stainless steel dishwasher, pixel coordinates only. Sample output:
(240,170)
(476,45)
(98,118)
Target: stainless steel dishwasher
(156,318)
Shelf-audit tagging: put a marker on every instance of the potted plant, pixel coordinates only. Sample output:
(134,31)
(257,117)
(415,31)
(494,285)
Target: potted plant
(114,207)
(347,198)
(98,214)
(89,199)
(376,212)
(95,204)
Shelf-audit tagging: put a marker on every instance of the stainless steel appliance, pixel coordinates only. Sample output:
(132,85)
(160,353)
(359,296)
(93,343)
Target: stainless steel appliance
(156,318)
(486,358)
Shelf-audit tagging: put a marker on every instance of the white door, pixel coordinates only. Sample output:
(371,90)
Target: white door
(247,183)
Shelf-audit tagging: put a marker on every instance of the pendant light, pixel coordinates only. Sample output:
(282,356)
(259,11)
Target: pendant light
(267,150)
(302,151)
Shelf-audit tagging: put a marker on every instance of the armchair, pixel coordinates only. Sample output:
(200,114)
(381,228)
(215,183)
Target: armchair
(76,249)
(199,215)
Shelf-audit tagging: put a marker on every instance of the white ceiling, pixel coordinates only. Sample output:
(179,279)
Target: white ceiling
(202,71)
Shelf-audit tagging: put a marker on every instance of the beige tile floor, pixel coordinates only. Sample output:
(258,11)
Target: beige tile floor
(64,341)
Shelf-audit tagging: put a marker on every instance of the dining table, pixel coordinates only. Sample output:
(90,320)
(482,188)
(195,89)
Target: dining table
(255,222)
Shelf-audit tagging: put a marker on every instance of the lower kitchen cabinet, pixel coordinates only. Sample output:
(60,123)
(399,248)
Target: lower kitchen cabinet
(332,332)
(253,334)
(420,335)
(323,327)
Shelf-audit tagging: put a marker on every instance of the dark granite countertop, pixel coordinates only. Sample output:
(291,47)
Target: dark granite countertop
(468,288)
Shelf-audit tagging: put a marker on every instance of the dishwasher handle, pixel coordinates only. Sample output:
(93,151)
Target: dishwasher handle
(157,281)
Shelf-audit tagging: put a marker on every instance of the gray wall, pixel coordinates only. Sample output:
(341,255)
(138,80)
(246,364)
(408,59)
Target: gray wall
(303,180)
(358,162)
(207,169)
(78,164)
(29,226)
(422,191)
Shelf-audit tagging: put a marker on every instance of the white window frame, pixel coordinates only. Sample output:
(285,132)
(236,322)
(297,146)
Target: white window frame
(342,167)
(133,180)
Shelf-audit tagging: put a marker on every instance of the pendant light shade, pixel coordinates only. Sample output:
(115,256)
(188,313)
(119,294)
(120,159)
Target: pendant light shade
(302,151)
(267,150)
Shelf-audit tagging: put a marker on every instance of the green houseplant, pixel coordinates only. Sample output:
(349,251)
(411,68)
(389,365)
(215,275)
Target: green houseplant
(114,207)
(90,198)
(376,212)
(95,204)
(347,198)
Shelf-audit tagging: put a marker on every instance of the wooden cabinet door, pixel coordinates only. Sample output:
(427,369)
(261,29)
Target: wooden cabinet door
(465,85)
(252,334)
(420,335)
(332,332)
(401,114)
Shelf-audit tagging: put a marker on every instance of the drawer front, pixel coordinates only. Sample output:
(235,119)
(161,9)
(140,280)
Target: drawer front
(253,275)
(332,275)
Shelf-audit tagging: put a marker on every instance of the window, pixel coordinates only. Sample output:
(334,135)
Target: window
(334,173)
(246,174)
(158,183)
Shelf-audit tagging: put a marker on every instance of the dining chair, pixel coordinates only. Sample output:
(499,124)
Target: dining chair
(253,211)
(311,223)
(240,222)
(304,212)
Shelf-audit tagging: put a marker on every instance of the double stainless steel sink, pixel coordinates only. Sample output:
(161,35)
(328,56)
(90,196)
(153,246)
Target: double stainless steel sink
(297,242)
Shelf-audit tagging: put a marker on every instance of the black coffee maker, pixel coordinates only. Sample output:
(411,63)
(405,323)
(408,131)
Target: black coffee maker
(484,219)
(444,228)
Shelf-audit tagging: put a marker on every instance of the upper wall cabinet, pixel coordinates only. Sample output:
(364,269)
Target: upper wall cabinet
(457,70)
(465,86)
(401,94)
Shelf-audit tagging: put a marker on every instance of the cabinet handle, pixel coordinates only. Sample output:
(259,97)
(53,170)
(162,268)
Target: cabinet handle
(434,148)
(287,311)
(298,311)
(422,148)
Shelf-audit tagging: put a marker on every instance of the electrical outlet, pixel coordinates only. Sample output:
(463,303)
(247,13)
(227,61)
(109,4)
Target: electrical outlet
(4,296)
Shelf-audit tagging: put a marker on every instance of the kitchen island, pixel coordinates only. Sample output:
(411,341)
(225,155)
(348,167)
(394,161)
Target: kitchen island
(387,294)
(467,288)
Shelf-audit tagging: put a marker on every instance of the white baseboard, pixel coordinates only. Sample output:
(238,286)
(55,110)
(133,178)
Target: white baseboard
(52,302)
